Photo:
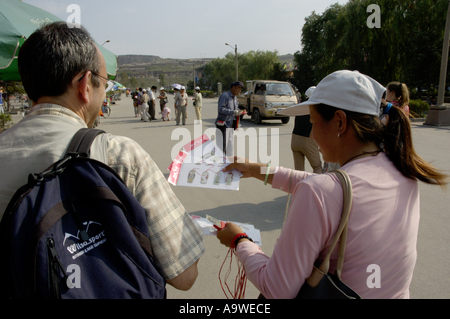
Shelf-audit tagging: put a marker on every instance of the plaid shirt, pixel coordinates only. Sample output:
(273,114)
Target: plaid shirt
(177,240)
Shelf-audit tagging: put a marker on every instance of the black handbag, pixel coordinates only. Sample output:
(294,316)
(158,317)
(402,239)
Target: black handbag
(321,284)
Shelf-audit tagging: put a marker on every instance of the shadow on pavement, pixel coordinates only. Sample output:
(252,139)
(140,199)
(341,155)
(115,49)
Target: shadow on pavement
(265,216)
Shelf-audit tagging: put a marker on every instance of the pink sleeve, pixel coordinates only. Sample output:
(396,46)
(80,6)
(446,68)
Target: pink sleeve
(281,178)
(303,236)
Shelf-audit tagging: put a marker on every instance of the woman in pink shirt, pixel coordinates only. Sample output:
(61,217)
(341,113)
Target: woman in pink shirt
(384,169)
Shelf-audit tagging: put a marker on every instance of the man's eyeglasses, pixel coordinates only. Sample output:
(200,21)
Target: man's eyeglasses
(109,84)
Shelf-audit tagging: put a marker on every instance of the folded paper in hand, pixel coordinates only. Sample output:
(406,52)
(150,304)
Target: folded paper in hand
(207,224)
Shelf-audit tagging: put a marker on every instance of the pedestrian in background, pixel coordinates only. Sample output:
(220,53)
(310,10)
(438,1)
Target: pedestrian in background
(162,98)
(198,98)
(398,94)
(175,102)
(139,100)
(143,105)
(152,103)
(135,98)
(226,122)
(181,99)
(302,145)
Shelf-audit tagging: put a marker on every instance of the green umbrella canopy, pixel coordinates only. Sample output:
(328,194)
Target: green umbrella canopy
(118,85)
(18,21)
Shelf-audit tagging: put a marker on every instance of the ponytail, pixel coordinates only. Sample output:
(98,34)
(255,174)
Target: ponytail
(396,139)
(404,100)
(398,145)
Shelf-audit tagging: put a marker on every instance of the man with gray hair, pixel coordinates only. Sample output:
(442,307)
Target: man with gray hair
(64,75)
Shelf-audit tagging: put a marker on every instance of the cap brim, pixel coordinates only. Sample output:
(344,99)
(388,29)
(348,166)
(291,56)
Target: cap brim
(297,110)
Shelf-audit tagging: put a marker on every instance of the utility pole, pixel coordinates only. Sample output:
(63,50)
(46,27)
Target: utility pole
(440,114)
(236,58)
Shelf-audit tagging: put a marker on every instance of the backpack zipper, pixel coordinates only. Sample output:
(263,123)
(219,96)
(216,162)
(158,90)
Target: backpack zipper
(55,267)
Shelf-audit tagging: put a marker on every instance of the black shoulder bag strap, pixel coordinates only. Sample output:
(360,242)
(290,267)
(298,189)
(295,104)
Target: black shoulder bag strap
(81,144)
(82,141)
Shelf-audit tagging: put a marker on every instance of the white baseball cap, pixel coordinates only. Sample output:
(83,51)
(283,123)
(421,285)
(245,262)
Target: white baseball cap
(346,90)
(310,91)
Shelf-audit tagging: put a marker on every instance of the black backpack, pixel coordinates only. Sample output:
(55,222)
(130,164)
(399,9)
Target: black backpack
(76,231)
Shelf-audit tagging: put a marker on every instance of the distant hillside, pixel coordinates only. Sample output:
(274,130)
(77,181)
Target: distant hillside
(136,59)
(150,59)
(148,70)
(288,59)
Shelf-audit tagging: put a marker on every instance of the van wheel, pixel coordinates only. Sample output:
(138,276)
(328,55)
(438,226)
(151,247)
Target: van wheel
(285,120)
(256,116)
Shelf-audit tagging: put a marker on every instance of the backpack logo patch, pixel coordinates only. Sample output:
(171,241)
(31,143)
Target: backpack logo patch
(77,246)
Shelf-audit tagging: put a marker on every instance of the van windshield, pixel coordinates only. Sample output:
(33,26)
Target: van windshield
(278,89)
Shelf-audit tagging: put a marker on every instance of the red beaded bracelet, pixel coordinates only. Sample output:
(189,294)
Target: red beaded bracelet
(238,237)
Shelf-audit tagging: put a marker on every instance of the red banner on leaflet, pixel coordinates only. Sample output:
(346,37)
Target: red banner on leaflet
(175,167)
(196,143)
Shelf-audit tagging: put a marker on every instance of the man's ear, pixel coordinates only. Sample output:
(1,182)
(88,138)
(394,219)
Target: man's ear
(83,86)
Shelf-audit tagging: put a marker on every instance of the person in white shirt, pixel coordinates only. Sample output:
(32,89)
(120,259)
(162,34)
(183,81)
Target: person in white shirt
(181,102)
(198,98)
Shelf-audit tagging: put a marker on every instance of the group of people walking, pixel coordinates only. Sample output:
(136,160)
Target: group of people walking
(144,103)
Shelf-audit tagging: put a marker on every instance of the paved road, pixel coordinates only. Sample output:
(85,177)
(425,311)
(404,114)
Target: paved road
(264,207)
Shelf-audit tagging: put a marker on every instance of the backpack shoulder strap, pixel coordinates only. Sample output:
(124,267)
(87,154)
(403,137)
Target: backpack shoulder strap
(82,141)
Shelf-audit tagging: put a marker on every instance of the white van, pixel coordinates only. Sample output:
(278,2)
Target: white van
(265,98)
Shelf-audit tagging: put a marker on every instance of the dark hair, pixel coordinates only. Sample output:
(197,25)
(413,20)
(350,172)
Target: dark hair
(52,56)
(237,83)
(395,138)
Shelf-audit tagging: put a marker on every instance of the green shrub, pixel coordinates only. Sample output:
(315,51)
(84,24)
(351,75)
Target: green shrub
(5,122)
(418,108)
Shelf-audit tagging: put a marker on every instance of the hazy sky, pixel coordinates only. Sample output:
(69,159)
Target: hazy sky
(192,29)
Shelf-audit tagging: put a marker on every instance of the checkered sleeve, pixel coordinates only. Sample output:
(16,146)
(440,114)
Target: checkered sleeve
(177,240)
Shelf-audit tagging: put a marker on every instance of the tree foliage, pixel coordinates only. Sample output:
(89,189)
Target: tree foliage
(407,47)
(279,72)
(252,65)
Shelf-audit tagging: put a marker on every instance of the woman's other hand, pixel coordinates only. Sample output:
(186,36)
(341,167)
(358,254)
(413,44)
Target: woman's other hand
(227,234)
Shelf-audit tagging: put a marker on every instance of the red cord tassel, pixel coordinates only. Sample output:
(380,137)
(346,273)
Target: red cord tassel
(240,282)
